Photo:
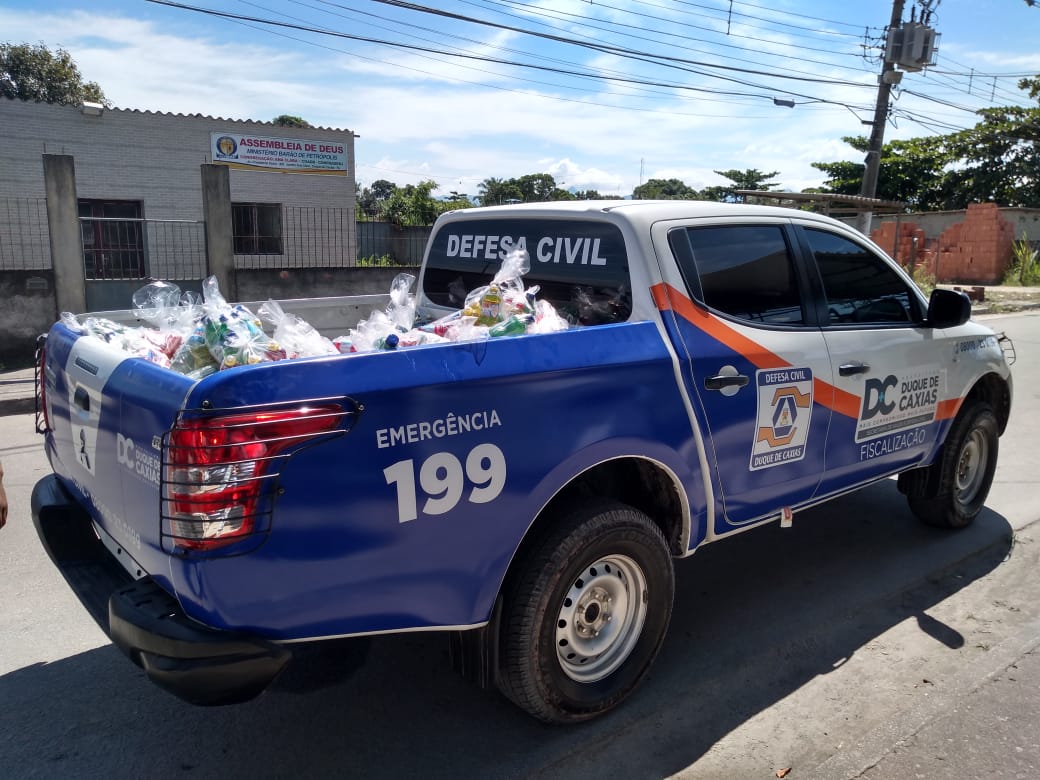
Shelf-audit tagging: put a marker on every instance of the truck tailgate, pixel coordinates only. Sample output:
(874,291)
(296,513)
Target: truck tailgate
(107,413)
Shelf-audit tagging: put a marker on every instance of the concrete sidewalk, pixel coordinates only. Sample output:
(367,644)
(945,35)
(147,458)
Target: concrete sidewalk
(17,391)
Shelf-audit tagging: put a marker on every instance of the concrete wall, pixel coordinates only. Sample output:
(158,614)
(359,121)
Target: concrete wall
(259,285)
(28,310)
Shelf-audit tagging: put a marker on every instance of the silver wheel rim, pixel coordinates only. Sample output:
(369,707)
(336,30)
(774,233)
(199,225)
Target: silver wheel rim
(971,466)
(601,618)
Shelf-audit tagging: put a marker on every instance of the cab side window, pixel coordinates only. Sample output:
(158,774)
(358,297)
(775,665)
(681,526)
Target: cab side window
(860,287)
(745,271)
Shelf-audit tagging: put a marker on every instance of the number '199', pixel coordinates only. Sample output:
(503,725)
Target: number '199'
(443,481)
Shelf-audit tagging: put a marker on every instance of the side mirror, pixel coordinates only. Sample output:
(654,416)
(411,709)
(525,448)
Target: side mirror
(948,308)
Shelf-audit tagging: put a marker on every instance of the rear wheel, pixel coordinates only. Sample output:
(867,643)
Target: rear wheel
(587,614)
(964,470)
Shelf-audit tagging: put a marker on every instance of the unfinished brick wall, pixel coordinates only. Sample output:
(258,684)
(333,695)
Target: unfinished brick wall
(976,250)
(908,245)
(979,249)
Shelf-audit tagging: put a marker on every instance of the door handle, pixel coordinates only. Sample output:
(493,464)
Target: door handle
(722,381)
(848,369)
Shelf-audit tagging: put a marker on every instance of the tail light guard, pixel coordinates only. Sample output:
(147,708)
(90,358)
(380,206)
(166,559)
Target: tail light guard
(221,467)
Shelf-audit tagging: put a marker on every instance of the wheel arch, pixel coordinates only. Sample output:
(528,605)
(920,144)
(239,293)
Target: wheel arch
(637,481)
(996,391)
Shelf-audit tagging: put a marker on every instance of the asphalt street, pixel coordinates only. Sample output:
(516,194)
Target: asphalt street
(857,643)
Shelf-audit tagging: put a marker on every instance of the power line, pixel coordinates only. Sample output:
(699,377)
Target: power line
(586,20)
(659,59)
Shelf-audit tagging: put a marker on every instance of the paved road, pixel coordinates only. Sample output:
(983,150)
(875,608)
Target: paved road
(851,645)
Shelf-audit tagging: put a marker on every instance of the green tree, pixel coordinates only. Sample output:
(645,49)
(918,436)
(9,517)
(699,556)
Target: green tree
(35,73)
(593,195)
(665,189)
(536,187)
(456,200)
(998,159)
(911,172)
(370,199)
(287,120)
(495,192)
(748,179)
(412,204)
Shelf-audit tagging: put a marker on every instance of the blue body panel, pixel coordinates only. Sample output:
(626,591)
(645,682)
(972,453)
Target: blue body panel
(344,549)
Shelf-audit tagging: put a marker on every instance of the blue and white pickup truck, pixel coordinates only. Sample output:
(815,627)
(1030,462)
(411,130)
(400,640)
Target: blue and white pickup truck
(732,365)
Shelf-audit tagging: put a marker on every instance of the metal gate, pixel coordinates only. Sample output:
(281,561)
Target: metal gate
(121,254)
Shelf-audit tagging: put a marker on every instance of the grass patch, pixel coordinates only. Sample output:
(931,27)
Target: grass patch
(378,261)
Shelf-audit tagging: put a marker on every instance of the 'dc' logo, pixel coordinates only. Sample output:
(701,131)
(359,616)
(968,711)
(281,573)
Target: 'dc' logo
(125,451)
(874,400)
(226,145)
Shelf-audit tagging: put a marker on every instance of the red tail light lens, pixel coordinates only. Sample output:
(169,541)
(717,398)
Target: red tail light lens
(218,468)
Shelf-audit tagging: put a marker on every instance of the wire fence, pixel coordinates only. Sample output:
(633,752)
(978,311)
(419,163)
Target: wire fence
(24,235)
(301,237)
(324,237)
(127,249)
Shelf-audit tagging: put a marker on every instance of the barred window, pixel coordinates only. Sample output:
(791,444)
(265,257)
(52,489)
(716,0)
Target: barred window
(257,228)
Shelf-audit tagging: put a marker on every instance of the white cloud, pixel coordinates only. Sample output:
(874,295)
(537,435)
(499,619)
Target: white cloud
(461,122)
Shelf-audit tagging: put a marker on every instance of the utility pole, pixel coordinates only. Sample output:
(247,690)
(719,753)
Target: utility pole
(888,77)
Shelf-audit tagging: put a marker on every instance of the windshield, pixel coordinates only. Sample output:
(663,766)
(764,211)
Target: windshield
(580,266)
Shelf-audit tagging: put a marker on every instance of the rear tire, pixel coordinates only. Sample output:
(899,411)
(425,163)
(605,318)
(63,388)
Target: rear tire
(587,613)
(965,470)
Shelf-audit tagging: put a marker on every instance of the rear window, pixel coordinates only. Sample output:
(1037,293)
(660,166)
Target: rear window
(579,266)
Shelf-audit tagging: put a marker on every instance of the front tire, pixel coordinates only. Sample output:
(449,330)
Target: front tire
(587,613)
(965,470)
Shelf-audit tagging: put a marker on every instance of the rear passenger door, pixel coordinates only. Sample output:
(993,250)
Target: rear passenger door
(886,363)
(755,362)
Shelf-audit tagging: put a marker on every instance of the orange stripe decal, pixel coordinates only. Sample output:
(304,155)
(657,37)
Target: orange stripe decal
(667,298)
(948,409)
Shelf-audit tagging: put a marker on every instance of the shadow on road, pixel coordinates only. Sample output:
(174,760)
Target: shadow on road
(756,617)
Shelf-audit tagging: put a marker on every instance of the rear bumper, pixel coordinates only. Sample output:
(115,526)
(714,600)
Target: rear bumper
(198,664)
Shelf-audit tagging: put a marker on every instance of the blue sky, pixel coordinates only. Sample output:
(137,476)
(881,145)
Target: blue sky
(589,98)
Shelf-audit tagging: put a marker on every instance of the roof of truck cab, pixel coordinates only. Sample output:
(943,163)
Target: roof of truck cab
(636,210)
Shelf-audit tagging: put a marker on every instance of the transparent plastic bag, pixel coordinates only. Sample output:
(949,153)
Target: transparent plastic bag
(401,309)
(505,296)
(149,344)
(296,336)
(375,333)
(235,336)
(383,329)
(108,331)
(70,321)
(547,319)
(158,303)
(194,358)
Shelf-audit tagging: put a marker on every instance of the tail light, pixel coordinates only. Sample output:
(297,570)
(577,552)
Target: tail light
(219,470)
